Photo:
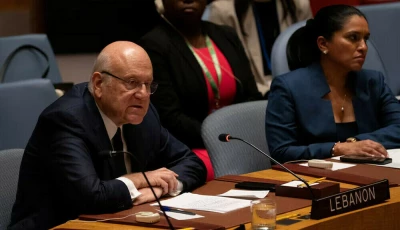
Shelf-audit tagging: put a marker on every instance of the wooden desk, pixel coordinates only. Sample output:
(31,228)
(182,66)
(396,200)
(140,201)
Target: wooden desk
(381,216)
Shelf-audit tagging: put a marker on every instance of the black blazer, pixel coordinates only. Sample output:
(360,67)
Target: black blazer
(181,98)
(63,176)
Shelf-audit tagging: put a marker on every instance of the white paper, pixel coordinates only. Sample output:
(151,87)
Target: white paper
(245,193)
(395,155)
(181,216)
(336,158)
(205,203)
(336,165)
(295,183)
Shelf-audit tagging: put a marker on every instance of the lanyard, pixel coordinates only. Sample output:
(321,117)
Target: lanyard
(214,86)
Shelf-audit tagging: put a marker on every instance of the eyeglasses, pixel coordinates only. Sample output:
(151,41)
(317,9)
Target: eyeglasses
(132,84)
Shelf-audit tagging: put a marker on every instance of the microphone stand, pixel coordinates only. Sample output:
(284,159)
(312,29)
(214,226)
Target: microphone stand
(227,137)
(114,153)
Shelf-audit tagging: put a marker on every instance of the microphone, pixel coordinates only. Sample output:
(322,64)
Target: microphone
(226,138)
(109,154)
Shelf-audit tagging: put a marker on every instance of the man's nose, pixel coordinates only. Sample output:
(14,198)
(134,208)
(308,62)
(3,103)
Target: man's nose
(142,91)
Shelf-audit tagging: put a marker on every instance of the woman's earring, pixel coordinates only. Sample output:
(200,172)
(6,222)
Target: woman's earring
(325,51)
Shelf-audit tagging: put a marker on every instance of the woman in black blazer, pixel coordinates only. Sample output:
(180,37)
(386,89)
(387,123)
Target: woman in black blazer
(182,97)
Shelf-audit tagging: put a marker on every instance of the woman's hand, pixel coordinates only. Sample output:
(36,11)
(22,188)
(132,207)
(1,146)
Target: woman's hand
(365,147)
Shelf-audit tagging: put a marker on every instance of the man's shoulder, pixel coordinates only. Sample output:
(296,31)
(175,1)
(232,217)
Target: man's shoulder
(151,117)
(73,101)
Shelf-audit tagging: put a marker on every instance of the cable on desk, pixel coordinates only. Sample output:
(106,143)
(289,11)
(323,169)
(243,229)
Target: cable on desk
(116,218)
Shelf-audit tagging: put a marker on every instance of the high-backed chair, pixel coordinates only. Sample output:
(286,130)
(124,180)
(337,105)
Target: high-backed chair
(244,120)
(27,57)
(279,61)
(382,21)
(21,103)
(10,161)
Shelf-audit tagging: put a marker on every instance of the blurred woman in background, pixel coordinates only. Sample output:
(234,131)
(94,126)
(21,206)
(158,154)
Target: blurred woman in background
(330,106)
(258,23)
(200,67)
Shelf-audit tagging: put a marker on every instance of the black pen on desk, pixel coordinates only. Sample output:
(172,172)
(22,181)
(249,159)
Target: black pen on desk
(169,209)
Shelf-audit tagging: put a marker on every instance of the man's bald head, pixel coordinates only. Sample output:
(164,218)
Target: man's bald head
(120,55)
(120,82)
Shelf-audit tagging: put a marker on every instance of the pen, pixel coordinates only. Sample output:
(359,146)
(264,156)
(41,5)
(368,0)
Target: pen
(311,182)
(288,216)
(169,209)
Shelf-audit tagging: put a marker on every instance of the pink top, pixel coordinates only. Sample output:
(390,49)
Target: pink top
(227,89)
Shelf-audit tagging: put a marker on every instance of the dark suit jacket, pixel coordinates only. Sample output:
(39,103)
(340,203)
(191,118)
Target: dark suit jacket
(62,174)
(300,122)
(181,98)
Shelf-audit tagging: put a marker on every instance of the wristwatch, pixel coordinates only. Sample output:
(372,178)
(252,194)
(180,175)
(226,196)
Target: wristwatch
(351,139)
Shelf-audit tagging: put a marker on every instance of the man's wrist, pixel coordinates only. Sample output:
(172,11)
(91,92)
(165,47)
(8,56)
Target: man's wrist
(134,193)
(138,180)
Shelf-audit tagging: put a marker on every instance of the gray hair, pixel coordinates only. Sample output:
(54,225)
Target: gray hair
(102,63)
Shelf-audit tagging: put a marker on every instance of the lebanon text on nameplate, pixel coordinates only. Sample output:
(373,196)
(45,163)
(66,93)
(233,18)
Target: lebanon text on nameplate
(350,200)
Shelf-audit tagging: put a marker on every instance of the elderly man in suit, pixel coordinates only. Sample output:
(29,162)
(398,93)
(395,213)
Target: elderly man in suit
(63,173)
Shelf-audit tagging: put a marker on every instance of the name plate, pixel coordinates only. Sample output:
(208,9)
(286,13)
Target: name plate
(350,200)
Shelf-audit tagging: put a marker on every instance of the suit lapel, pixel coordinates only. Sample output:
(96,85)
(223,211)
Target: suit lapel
(99,130)
(320,105)
(97,123)
(362,105)
(361,102)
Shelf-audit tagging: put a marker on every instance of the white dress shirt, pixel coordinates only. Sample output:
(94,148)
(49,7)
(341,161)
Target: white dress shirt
(111,131)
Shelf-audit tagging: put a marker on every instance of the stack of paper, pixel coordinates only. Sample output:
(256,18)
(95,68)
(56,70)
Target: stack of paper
(205,203)
(248,194)
(336,165)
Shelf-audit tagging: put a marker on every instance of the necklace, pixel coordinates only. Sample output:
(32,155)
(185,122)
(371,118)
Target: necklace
(344,100)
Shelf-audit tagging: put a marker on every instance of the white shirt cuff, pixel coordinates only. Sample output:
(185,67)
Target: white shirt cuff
(178,190)
(131,187)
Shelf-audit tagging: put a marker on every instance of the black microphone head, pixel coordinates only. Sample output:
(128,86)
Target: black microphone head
(224,137)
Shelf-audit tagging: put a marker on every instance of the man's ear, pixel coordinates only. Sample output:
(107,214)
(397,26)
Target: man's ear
(322,44)
(97,82)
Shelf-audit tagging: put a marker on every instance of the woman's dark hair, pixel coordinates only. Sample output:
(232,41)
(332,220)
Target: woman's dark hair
(241,7)
(302,48)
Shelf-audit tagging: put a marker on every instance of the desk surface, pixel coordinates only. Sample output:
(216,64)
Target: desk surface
(381,216)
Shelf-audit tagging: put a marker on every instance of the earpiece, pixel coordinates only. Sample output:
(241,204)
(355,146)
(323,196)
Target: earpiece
(320,164)
(147,217)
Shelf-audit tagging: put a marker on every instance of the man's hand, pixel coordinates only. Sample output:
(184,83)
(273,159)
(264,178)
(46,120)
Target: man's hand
(163,177)
(365,147)
(147,195)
